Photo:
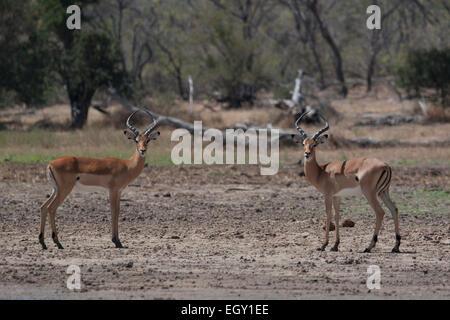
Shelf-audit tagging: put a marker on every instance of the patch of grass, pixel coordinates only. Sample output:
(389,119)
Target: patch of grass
(434,194)
(423,202)
(415,202)
(27,158)
(160,159)
(405,162)
(40,145)
(36,137)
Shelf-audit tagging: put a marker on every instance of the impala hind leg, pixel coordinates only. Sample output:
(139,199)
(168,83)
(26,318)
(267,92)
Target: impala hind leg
(328,207)
(44,207)
(375,204)
(336,205)
(44,211)
(393,208)
(61,195)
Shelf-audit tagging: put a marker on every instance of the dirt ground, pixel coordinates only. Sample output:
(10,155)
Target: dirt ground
(222,232)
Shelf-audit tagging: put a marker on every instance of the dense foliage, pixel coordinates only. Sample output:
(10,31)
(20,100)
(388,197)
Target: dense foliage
(232,49)
(427,69)
(24,57)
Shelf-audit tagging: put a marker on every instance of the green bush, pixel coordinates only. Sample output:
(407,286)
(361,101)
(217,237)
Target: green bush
(427,69)
(24,58)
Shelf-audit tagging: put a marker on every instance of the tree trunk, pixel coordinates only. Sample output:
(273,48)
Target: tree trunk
(179,80)
(316,56)
(370,71)
(80,104)
(312,6)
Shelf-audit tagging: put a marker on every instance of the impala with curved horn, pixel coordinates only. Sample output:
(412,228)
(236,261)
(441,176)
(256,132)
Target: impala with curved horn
(111,174)
(367,176)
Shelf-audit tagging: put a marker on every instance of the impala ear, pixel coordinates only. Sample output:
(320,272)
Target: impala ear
(322,139)
(130,135)
(297,138)
(153,136)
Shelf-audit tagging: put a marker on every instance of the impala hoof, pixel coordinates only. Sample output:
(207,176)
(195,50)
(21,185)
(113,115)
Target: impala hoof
(335,249)
(367,250)
(117,243)
(41,241)
(396,250)
(59,246)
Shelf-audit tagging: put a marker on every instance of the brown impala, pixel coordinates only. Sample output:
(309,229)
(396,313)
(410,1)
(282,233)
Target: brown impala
(367,176)
(111,174)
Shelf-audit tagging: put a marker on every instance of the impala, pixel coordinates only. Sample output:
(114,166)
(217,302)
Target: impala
(110,174)
(367,176)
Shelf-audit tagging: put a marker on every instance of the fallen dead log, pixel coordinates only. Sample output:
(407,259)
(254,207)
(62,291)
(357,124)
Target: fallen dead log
(177,123)
(101,110)
(341,142)
(389,121)
(17,114)
(287,136)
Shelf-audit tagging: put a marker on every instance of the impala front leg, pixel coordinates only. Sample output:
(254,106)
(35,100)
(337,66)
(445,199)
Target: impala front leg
(336,205)
(328,206)
(114,198)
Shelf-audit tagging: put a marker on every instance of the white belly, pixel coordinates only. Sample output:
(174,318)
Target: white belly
(79,187)
(349,192)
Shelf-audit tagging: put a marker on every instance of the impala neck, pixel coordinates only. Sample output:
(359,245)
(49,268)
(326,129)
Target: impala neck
(312,169)
(136,162)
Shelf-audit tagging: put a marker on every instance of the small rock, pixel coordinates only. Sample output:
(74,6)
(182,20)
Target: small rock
(348,224)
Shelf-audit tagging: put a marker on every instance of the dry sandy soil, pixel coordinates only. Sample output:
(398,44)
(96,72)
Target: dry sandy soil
(199,232)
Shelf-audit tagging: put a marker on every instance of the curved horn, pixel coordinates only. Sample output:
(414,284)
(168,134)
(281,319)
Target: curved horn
(153,125)
(302,133)
(323,129)
(136,133)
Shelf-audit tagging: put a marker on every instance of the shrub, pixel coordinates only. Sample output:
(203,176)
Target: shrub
(427,69)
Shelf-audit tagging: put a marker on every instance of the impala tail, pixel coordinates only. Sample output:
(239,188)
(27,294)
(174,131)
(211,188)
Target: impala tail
(384,181)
